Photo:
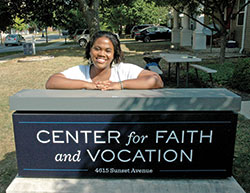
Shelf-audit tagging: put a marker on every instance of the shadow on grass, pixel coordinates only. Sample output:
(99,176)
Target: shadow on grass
(146,47)
(70,51)
(130,46)
(8,170)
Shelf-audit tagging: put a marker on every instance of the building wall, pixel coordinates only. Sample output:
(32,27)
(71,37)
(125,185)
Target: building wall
(236,31)
(247,40)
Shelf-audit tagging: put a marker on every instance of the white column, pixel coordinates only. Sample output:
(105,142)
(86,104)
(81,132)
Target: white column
(199,38)
(175,39)
(186,33)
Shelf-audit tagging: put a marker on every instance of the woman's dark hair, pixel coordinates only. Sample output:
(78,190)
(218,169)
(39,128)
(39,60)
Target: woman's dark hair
(118,54)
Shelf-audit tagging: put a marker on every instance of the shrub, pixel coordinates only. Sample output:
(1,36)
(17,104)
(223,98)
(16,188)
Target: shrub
(222,77)
(224,73)
(241,75)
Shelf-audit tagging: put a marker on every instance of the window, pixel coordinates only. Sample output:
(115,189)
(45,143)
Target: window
(152,29)
(241,13)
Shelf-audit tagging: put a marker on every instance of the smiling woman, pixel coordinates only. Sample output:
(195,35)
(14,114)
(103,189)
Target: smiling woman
(105,70)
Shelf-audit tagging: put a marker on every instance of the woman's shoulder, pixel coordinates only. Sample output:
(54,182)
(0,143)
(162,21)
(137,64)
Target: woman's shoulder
(127,69)
(77,69)
(125,65)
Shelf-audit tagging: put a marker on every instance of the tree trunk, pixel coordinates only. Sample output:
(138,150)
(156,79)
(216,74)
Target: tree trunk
(1,37)
(223,42)
(90,11)
(46,32)
(120,30)
(92,19)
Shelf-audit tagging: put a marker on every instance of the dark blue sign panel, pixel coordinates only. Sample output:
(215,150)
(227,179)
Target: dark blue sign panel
(125,145)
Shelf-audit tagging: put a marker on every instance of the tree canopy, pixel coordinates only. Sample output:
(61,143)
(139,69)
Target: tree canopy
(6,16)
(90,10)
(113,14)
(130,13)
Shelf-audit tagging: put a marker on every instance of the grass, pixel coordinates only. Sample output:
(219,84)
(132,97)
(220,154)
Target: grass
(241,166)
(4,54)
(16,76)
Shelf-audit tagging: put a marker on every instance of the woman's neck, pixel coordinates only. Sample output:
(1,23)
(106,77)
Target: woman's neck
(99,74)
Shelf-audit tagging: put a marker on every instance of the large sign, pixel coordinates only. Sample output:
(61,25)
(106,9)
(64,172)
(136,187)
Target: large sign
(129,144)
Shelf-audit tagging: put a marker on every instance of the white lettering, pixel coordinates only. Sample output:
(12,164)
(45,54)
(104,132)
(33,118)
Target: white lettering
(68,157)
(58,157)
(86,135)
(169,151)
(106,160)
(206,136)
(172,137)
(119,157)
(159,136)
(182,136)
(76,157)
(190,157)
(93,158)
(150,153)
(38,136)
(139,155)
(114,137)
(96,136)
(69,135)
(55,136)
(192,134)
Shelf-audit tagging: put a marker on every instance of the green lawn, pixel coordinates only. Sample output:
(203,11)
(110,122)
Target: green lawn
(16,76)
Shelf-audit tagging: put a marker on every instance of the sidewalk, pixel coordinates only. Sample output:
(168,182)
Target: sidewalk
(245,109)
(38,48)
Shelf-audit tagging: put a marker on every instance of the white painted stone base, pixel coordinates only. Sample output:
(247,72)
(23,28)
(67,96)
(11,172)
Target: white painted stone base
(175,39)
(185,37)
(245,109)
(199,41)
(56,185)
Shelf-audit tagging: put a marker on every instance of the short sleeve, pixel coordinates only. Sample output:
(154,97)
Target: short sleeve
(80,72)
(126,71)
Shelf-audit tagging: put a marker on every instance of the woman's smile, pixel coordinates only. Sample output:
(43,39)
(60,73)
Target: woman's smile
(101,60)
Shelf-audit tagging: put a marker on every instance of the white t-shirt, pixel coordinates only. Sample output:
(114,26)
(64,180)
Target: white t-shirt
(119,72)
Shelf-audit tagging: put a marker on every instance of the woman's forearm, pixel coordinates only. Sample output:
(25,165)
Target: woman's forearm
(58,81)
(145,82)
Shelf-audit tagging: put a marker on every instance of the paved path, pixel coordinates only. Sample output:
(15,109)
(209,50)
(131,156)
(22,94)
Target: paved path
(245,109)
(60,44)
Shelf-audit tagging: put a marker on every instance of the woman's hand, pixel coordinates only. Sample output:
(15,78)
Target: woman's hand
(146,80)
(108,85)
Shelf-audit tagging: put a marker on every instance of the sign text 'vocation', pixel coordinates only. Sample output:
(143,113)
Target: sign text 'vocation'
(125,155)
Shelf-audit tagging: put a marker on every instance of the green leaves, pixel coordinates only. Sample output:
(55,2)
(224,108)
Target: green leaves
(19,24)
(5,15)
(241,75)
(132,13)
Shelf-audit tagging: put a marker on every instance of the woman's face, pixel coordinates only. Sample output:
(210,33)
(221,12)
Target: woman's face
(102,53)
